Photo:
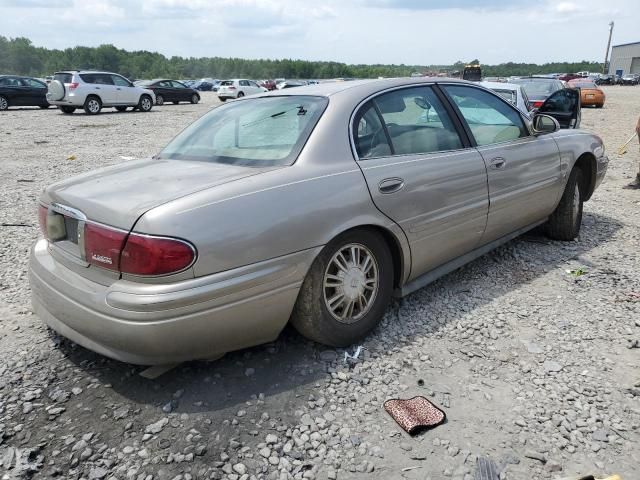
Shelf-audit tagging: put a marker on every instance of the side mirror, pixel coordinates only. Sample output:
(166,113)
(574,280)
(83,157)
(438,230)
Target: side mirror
(545,124)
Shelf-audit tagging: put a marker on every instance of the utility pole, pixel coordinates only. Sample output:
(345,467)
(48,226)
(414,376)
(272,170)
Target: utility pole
(606,55)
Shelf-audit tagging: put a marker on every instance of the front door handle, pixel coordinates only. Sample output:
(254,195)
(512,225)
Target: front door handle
(498,163)
(391,185)
(97,88)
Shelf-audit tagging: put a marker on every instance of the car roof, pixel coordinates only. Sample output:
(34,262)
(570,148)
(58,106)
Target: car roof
(502,85)
(361,87)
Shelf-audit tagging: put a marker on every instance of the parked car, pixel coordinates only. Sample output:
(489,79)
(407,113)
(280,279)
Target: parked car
(92,91)
(511,92)
(630,79)
(18,91)
(538,89)
(171,91)
(605,79)
(314,205)
(590,94)
(238,88)
(291,84)
(202,86)
(268,84)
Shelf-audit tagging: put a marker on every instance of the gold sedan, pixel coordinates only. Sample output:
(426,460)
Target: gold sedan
(590,94)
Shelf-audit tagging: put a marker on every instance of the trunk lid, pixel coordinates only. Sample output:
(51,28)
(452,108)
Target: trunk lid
(119,195)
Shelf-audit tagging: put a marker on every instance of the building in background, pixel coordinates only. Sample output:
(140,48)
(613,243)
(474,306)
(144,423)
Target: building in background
(625,59)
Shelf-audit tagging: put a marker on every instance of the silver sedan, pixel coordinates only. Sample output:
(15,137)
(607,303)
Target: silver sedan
(313,205)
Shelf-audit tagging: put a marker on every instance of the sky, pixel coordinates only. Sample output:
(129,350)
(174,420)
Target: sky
(415,32)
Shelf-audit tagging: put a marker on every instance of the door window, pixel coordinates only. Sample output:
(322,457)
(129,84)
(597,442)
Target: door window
(30,82)
(177,84)
(10,82)
(164,84)
(417,122)
(490,119)
(118,81)
(370,138)
(244,83)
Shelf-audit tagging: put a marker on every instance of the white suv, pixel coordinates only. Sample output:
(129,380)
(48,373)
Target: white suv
(94,90)
(238,88)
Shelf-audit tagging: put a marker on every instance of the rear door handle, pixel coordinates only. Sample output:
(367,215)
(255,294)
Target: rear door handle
(391,185)
(498,163)
(97,88)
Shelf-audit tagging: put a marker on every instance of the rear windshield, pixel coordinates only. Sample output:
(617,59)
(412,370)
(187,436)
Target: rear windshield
(63,77)
(536,88)
(509,95)
(226,83)
(259,132)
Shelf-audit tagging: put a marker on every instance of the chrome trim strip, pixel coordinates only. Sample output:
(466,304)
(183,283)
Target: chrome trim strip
(68,211)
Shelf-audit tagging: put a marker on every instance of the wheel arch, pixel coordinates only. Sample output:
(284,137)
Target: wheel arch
(588,165)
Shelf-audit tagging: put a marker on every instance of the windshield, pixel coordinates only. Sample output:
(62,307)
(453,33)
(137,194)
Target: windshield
(536,88)
(260,132)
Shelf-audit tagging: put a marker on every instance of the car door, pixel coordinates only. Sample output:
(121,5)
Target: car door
(524,173)
(182,93)
(126,92)
(255,88)
(101,85)
(565,106)
(35,92)
(422,173)
(14,91)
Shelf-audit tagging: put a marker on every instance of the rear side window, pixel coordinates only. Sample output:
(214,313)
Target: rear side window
(489,118)
(63,77)
(259,132)
(370,136)
(416,122)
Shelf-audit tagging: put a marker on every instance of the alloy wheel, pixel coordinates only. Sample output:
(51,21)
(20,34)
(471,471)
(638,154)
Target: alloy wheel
(350,283)
(3,103)
(93,105)
(145,104)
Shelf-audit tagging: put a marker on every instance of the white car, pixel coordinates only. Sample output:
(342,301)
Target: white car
(93,91)
(511,92)
(238,88)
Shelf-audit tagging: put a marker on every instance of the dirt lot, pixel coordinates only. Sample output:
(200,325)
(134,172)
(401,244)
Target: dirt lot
(536,367)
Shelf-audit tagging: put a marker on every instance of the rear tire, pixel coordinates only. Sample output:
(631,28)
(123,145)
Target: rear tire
(195,98)
(240,95)
(145,104)
(121,108)
(222,99)
(92,105)
(339,306)
(4,102)
(159,100)
(67,110)
(564,223)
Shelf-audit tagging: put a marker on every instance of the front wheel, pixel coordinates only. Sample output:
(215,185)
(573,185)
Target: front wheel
(195,98)
(564,223)
(346,290)
(145,104)
(67,110)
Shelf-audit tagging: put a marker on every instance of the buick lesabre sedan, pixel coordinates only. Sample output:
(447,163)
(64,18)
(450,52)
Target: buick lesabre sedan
(312,205)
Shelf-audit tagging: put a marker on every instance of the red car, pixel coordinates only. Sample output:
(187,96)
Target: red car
(268,84)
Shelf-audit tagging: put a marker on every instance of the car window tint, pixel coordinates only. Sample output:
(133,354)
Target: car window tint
(64,77)
(490,119)
(87,77)
(509,95)
(561,101)
(417,121)
(30,82)
(119,81)
(226,83)
(244,83)
(175,84)
(369,135)
(259,132)
(10,82)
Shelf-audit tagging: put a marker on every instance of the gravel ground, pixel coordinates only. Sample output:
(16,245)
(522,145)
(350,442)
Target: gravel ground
(535,366)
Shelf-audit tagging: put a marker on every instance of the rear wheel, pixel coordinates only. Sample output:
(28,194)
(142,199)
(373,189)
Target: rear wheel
(122,108)
(159,100)
(346,290)
(222,99)
(67,110)
(195,98)
(564,223)
(4,103)
(240,94)
(92,105)
(145,104)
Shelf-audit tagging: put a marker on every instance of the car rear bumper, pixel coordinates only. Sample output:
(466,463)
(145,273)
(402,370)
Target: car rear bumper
(155,324)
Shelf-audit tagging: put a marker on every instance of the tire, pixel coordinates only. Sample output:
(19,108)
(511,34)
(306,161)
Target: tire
(175,102)
(240,95)
(600,105)
(145,104)
(315,319)
(222,99)
(121,108)
(67,110)
(44,107)
(92,105)
(564,223)
(195,98)
(159,100)
(4,102)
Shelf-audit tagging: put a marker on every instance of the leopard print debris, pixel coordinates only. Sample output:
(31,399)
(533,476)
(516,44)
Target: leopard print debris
(415,413)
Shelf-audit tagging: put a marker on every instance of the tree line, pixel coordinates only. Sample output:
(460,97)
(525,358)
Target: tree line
(20,57)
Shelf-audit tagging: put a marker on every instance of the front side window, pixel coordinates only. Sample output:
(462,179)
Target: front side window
(175,84)
(119,81)
(490,119)
(30,82)
(417,121)
(244,83)
(259,132)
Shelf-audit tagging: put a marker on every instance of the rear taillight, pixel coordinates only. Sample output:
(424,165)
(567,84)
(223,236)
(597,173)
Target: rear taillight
(103,245)
(73,86)
(135,254)
(42,219)
(149,255)
(231,88)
